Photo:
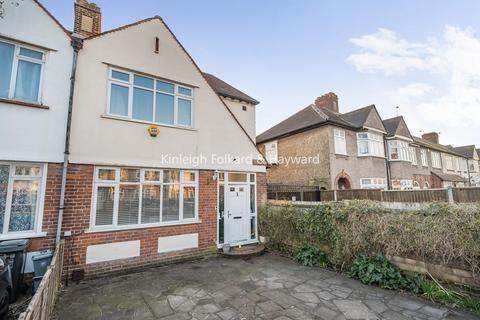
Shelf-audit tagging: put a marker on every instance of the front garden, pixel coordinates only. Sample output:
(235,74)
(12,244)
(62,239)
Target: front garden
(356,237)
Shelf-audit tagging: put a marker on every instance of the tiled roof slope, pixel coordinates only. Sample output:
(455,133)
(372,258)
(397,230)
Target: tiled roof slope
(435,146)
(466,151)
(449,177)
(224,89)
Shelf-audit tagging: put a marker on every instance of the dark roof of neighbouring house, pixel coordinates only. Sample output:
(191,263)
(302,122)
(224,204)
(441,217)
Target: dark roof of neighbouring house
(449,177)
(435,146)
(226,90)
(307,118)
(466,151)
(312,117)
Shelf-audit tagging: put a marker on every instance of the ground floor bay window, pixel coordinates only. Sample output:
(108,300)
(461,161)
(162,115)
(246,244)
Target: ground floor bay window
(22,188)
(237,209)
(127,198)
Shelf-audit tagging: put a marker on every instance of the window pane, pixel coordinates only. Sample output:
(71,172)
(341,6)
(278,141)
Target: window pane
(24,205)
(128,204)
(6,61)
(31,53)
(130,175)
(171,201)
(221,208)
(165,87)
(363,147)
(28,81)
(106,174)
(150,204)
(4,170)
(119,100)
(237,177)
(252,177)
(164,108)
(185,112)
(188,176)
(27,171)
(152,175)
(120,75)
(104,208)
(143,81)
(185,91)
(188,202)
(142,104)
(252,227)
(252,198)
(171,176)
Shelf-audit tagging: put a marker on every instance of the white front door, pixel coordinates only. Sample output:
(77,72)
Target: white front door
(238,213)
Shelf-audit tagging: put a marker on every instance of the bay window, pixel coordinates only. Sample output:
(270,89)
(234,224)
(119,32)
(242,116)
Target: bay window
(127,197)
(21,71)
(373,183)
(147,99)
(400,150)
(370,144)
(21,193)
(423,157)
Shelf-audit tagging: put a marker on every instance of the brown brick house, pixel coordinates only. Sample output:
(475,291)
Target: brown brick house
(346,150)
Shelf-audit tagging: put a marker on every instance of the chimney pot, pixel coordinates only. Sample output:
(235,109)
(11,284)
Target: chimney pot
(328,101)
(431,136)
(88,18)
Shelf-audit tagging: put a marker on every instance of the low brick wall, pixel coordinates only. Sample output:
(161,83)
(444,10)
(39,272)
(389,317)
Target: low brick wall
(438,271)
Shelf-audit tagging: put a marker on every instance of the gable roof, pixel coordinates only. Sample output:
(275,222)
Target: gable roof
(53,18)
(156,17)
(466,151)
(312,117)
(435,146)
(226,90)
(392,126)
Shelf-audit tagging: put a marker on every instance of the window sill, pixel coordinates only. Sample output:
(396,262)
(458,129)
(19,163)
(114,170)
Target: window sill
(24,103)
(23,235)
(369,156)
(107,116)
(149,226)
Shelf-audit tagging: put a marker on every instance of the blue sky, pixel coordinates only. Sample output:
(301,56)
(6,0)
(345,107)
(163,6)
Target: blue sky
(421,55)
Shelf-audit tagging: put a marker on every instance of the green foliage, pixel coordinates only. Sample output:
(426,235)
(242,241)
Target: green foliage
(440,233)
(311,256)
(435,292)
(378,271)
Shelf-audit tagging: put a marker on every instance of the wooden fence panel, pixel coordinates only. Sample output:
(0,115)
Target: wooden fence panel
(42,305)
(293,192)
(359,194)
(467,194)
(415,196)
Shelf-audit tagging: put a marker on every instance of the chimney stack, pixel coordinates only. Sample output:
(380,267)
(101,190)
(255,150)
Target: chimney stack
(88,18)
(328,101)
(431,136)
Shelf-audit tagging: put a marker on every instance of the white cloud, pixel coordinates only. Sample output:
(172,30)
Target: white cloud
(454,60)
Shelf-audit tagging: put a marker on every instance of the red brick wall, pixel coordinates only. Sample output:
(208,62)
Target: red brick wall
(77,219)
(50,209)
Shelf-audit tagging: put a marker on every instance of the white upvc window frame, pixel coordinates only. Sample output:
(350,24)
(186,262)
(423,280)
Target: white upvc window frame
(423,157)
(375,144)
(130,85)
(42,179)
(142,182)
(373,183)
(413,152)
(340,141)
(403,151)
(449,163)
(13,76)
(271,152)
(436,159)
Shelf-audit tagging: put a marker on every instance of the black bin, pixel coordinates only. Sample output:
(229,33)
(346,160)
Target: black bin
(15,253)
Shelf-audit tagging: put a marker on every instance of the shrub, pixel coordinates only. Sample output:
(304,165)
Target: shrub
(378,271)
(447,234)
(311,256)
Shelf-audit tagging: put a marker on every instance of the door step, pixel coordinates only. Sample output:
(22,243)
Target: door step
(245,251)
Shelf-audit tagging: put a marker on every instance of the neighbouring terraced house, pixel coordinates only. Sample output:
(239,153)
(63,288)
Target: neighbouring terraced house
(162,165)
(357,150)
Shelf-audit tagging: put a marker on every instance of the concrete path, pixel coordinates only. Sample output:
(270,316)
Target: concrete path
(266,287)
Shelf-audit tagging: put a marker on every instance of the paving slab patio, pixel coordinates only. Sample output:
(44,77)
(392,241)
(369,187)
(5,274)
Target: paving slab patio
(265,287)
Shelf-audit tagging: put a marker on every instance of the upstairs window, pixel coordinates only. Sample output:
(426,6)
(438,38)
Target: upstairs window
(413,152)
(147,99)
(449,163)
(423,157)
(340,142)
(21,71)
(400,150)
(370,144)
(271,152)
(436,162)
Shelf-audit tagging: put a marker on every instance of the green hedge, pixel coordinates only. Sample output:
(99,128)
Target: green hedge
(441,233)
